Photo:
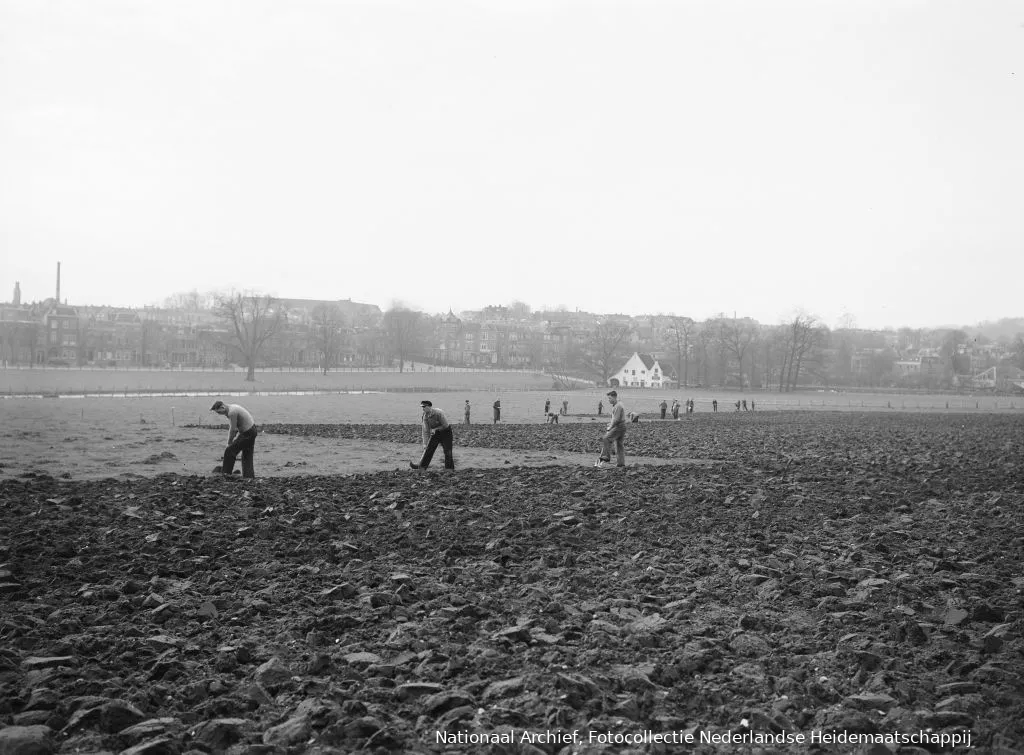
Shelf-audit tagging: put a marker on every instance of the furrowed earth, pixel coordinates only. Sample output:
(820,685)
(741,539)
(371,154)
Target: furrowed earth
(753,574)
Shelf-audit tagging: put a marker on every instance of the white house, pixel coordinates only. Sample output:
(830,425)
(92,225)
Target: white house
(640,371)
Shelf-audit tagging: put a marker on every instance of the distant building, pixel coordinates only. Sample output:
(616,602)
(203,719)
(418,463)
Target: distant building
(640,371)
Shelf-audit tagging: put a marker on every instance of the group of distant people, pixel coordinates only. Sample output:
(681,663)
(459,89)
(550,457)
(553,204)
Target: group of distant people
(551,417)
(495,412)
(676,406)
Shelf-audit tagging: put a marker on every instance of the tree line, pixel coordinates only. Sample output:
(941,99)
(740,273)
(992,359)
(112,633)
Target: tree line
(721,351)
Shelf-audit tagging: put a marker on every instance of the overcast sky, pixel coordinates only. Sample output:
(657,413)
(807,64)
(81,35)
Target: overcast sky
(861,157)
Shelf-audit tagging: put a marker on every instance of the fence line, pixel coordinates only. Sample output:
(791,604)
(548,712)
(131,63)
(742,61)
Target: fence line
(265,391)
(263,370)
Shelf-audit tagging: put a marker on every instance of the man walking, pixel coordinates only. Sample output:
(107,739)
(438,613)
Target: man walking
(467,411)
(664,408)
(435,430)
(714,405)
(615,434)
(497,411)
(241,437)
(547,407)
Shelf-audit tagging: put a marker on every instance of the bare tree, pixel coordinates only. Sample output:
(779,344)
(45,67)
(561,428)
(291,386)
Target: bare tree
(402,330)
(21,336)
(328,332)
(604,349)
(773,352)
(705,340)
(880,366)
(803,340)
(679,333)
(368,344)
(252,320)
(736,338)
(950,351)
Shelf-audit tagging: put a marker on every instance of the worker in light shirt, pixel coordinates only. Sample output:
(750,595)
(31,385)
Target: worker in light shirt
(241,437)
(615,435)
(435,430)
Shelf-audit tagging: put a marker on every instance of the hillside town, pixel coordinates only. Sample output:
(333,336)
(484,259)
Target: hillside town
(194,331)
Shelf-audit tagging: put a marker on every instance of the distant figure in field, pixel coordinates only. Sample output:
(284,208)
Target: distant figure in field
(565,407)
(614,435)
(745,405)
(467,411)
(552,418)
(547,407)
(737,406)
(751,404)
(714,405)
(675,408)
(664,408)
(435,430)
(634,418)
(241,437)
(600,407)
(497,411)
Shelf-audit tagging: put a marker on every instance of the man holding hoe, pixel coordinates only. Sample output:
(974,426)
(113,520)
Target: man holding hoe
(615,434)
(436,430)
(241,437)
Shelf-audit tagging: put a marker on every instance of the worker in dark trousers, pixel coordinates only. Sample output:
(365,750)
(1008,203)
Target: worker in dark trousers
(241,437)
(435,430)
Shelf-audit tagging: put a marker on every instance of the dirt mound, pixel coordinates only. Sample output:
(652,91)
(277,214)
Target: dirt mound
(160,458)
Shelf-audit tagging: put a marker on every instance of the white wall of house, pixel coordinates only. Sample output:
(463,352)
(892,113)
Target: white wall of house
(635,374)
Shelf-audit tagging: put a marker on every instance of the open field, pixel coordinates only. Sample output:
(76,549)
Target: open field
(766,574)
(71,381)
(461,384)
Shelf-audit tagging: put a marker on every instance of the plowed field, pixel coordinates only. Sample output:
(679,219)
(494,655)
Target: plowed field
(783,578)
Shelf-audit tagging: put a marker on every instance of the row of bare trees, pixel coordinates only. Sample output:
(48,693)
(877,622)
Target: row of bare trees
(253,320)
(719,351)
(729,347)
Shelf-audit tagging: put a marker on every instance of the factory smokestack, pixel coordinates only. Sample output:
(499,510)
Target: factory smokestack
(58,283)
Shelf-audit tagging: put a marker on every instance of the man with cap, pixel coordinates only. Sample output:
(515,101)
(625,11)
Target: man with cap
(241,437)
(435,430)
(615,434)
